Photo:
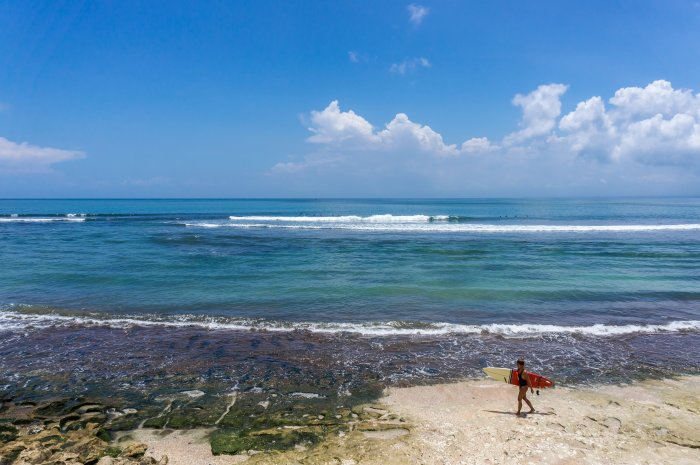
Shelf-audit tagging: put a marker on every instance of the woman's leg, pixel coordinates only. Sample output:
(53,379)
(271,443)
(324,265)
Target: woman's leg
(532,409)
(521,396)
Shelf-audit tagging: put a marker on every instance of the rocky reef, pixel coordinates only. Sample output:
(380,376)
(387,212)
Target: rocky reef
(285,413)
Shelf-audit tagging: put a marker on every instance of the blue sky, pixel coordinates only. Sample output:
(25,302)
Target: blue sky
(278,98)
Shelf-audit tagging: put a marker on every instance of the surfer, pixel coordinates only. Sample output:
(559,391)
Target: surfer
(524,384)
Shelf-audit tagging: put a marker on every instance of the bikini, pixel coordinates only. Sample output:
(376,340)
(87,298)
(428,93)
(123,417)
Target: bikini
(523,382)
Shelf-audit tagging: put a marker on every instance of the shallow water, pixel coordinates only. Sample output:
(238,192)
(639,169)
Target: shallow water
(413,289)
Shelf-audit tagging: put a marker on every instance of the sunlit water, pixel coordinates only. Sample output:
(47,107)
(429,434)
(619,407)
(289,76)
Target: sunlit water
(423,288)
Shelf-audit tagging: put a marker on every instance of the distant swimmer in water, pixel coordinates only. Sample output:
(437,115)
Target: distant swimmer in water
(525,383)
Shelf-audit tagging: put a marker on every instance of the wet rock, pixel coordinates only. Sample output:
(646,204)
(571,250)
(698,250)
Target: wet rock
(229,442)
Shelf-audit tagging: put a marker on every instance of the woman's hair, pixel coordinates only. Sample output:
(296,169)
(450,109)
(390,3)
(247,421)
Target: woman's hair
(521,362)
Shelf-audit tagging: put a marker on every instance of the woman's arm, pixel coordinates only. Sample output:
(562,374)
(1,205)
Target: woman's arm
(529,383)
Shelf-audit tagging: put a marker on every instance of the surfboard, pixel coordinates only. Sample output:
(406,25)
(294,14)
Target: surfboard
(510,376)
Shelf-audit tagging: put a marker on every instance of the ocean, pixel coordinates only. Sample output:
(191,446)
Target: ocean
(411,291)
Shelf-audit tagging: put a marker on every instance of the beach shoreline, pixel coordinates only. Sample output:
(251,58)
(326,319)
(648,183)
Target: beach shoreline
(473,422)
(463,422)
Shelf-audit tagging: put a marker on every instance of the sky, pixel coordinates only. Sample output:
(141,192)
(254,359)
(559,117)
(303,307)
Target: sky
(349,98)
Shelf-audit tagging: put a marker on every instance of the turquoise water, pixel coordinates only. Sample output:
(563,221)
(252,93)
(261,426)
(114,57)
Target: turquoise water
(382,265)
(402,290)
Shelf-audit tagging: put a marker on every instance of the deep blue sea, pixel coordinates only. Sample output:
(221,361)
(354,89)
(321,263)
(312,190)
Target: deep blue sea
(614,282)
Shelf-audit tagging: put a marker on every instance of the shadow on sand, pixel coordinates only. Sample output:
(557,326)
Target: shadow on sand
(523,414)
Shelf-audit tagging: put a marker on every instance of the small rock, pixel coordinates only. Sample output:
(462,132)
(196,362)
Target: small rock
(134,450)
(193,394)
(35,429)
(106,460)
(34,455)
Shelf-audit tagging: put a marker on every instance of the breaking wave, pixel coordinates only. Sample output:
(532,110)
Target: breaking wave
(13,320)
(423,223)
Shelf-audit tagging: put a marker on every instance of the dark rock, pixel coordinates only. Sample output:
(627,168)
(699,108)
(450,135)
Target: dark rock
(229,442)
(8,433)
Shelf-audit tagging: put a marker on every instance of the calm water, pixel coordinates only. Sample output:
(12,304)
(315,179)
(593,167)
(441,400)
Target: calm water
(463,278)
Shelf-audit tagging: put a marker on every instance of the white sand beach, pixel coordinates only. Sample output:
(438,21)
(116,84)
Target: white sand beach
(473,422)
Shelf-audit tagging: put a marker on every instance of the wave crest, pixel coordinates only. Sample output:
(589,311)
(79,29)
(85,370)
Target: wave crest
(11,320)
(425,224)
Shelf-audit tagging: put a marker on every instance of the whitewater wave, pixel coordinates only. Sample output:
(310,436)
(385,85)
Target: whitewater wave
(426,224)
(345,219)
(32,219)
(20,321)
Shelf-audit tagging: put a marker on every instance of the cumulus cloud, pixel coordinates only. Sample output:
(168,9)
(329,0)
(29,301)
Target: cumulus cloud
(401,132)
(416,13)
(541,108)
(25,157)
(332,126)
(410,64)
(346,129)
(645,134)
(656,124)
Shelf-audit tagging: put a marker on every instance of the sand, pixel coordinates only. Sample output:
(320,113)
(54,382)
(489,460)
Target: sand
(473,422)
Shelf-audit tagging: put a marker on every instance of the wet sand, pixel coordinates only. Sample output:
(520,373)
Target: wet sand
(473,422)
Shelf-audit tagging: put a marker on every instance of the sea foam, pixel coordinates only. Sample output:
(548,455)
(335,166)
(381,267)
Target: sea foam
(25,219)
(11,320)
(423,224)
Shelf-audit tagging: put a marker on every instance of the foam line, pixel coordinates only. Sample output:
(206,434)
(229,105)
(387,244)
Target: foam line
(344,219)
(453,228)
(20,321)
(23,219)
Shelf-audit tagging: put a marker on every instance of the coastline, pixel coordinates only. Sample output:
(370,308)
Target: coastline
(473,422)
(464,422)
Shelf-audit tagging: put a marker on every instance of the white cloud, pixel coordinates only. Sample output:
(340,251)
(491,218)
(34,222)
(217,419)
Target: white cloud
(640,138)
(331,126)
(588,129)
(403,133)
(25,157)
(417,13)
(659,97)
(657,140)
(352,56)
(348,130)
(541,108)
(653,125)
(409,64)
(478,145)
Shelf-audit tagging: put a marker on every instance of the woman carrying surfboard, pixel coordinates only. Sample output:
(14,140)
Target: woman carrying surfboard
(524,381)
